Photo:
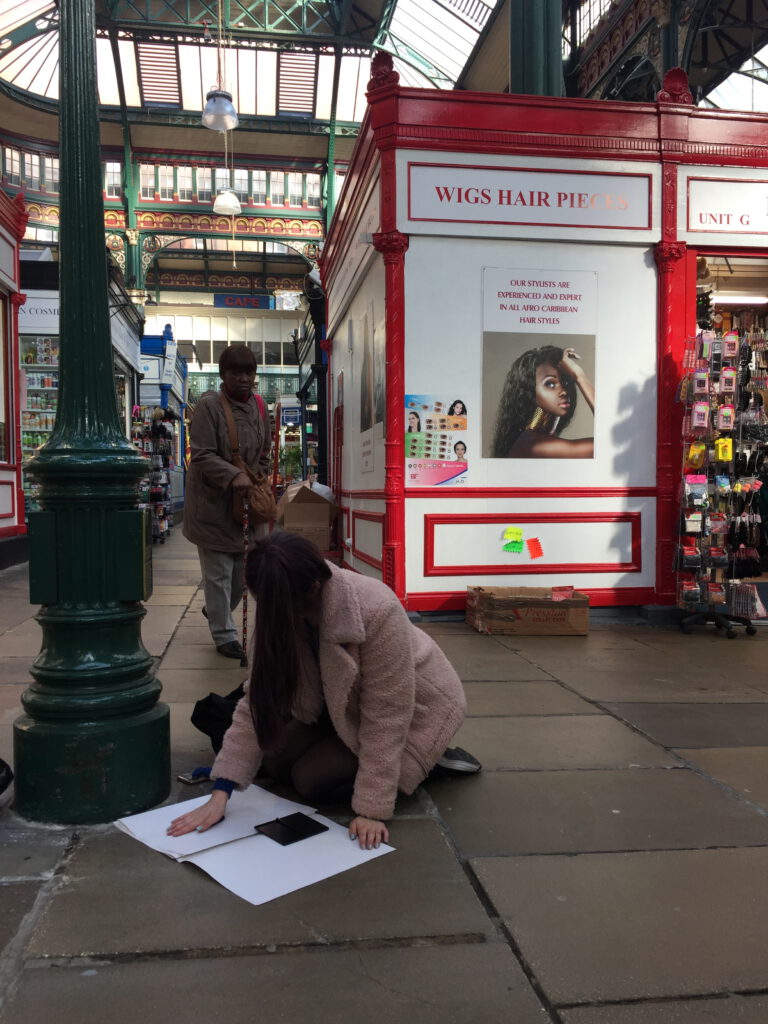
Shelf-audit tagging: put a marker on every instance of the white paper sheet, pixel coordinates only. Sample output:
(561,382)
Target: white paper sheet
(245,810)
(258,869)
(252,866)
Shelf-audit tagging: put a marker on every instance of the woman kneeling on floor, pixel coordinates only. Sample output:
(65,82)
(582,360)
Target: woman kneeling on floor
(346,697)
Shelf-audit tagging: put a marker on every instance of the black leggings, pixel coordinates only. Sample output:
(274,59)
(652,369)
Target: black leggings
(314,761)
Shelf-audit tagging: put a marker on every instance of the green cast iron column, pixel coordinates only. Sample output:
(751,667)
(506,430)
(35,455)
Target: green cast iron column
(94,742)
(535,47)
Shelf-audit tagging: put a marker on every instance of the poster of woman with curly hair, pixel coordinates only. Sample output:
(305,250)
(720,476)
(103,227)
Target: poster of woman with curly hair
(539,369)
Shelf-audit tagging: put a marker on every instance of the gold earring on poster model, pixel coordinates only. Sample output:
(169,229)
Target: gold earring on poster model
(538,420)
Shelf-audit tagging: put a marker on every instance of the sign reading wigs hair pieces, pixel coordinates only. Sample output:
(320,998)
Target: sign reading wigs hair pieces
(539,330)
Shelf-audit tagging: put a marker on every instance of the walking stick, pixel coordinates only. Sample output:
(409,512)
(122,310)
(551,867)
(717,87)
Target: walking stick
(244,658)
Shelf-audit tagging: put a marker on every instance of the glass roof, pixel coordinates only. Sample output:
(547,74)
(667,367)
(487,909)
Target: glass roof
(278,58)
(746,89)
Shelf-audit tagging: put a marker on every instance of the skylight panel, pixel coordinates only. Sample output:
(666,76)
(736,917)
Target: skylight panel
(109,94)
(15,14)
(266,83)
(192,85)
(130,73)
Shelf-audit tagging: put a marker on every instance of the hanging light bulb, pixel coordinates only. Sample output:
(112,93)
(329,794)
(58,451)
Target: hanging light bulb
(219,114)
(226,204)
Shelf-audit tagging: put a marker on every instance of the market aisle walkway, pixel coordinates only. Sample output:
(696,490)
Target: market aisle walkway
(607,867)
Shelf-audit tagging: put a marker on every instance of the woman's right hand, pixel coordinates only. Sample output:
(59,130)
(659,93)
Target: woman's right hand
(241,483)
(202,818)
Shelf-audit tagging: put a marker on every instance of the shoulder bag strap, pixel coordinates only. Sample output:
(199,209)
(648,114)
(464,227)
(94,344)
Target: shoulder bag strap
(234,443)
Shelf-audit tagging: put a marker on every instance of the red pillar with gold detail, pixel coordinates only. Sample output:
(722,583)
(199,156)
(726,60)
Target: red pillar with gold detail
(676,320)
(18,299)
(392,245)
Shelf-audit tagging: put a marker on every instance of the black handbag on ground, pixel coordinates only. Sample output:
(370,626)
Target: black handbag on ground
(213,715)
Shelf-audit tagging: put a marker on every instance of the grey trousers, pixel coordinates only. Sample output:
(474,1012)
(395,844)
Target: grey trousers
(223,575)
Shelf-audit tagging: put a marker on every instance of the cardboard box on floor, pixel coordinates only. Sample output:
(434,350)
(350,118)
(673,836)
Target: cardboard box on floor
(527,611)
(304,511)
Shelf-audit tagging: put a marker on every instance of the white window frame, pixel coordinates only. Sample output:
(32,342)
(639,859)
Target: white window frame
(12,165)
(277,188)
(147,181)
(240,184)
(295,188)
(113,185)
(204,193)
(313,191)
(164,177)
(51,174)
(184,184)
(259,186)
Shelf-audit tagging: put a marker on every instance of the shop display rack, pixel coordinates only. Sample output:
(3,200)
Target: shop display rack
(151,437)
(39,397)
(722,542)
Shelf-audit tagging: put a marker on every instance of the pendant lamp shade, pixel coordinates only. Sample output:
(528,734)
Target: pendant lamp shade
(219,114)
(227,204)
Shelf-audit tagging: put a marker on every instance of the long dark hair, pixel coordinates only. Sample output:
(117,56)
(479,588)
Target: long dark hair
(281,571)
(518,398)
(452,409)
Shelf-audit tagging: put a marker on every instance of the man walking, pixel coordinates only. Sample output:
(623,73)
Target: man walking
(213,481)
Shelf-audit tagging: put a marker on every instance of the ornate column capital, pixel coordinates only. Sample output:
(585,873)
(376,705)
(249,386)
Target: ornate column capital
(667,254)
(382,71)
(132,234)
(18,299)
(675,88)
(391,244)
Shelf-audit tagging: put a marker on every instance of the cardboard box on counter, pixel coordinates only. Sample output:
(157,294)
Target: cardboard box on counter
(527,611)
(304,511)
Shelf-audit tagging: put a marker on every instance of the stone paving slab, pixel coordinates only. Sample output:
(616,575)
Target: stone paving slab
(448,984)
(521,698)
(15,670)
(480,657)
(21,645)
(599,638)
(10,700)
(698,725)
(197,656)
(635,684)
(16,901)
(30,627)
(636,925)
(608,660)
(559,742)
(193,634)
(579,811)
(450,628)
(716,1010)
(744,769)
(419,890)
(190,684)
(28,853)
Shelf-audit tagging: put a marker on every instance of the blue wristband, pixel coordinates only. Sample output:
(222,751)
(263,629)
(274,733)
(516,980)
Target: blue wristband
(226,785)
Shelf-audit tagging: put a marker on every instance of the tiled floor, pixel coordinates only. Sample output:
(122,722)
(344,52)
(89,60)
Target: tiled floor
(607,867)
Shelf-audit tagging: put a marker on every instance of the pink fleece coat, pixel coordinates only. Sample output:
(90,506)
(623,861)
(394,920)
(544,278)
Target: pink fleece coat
(393,697)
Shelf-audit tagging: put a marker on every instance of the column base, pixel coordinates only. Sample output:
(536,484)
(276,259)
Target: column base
(76,773)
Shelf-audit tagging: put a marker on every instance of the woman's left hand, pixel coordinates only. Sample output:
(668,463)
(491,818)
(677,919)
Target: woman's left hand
(370,834)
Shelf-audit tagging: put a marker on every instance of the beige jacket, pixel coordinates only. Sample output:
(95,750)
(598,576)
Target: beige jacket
(393,697)
(207,519)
